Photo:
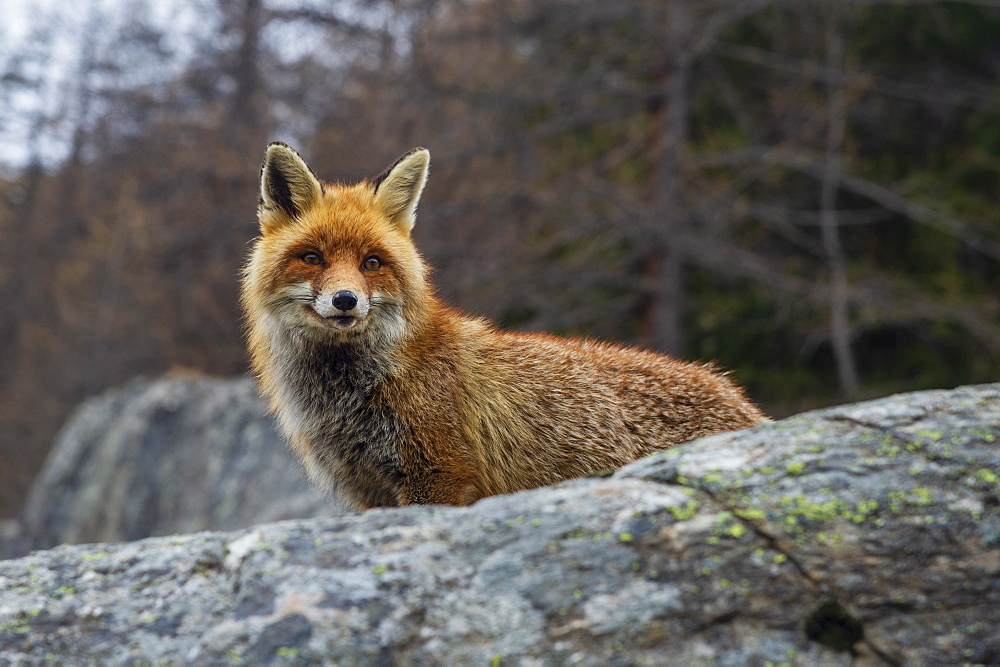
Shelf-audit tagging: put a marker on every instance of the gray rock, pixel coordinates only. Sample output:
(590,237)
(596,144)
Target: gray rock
(867,533)
(158,457)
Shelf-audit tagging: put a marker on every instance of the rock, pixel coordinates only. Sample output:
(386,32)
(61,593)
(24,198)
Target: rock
(867,533)
(173,455)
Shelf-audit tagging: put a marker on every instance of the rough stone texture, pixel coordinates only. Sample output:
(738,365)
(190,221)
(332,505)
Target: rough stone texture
(165,456)
(867,533)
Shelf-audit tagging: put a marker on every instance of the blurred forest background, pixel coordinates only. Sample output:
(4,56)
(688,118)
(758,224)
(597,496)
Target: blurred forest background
(805,191)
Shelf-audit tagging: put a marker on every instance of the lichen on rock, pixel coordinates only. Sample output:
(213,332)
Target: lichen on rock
(863,533)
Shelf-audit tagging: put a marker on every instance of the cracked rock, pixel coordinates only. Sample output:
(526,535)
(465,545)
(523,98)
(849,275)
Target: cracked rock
(861,534)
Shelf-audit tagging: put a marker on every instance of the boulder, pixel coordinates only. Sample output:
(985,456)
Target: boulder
(157,457)
(866,533)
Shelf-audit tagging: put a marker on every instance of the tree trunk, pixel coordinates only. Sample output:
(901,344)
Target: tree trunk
(840,326)
(664,266)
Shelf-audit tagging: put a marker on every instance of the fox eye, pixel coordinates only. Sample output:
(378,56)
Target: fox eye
(312,258)
(372,263)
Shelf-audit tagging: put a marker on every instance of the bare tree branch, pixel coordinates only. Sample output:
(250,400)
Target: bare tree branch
(969,94)
(883,196)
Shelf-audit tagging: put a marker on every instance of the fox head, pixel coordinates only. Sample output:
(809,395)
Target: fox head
(336,261)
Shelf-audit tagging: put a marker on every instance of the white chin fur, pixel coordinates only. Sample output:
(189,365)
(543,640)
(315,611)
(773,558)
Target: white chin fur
(386,325)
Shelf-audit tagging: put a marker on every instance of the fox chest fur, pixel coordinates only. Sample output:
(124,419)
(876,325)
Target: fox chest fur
(346,438)
(388,397)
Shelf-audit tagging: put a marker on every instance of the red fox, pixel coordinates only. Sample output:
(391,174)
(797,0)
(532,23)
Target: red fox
(389,397)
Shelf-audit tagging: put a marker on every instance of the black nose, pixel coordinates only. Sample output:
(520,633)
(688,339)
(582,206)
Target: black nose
(344,301)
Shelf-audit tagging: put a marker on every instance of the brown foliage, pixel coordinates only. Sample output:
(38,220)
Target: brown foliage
(763,183)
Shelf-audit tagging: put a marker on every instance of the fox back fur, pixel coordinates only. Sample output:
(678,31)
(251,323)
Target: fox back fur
(389,397)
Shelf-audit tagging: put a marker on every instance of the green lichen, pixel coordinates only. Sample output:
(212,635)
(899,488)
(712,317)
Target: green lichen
(889,451)
(736,530)
(722,517)
(798,509)
(18,626)
(577,534)
(795,468)
(798,506)
(987,475)
(862,511)
(625,537)
(379,570)
(685,513)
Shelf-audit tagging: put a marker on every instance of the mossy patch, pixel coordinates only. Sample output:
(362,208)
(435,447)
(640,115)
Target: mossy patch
(798,508)
(686,512)
(795,468)
(987,475)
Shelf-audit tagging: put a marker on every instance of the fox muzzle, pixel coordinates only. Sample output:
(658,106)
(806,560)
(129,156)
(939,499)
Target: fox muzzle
(341,304)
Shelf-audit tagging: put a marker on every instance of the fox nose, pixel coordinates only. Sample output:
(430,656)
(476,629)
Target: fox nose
(344,301)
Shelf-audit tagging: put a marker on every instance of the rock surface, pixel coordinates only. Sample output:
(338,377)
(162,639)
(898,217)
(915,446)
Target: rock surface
(867,533)
(165,456)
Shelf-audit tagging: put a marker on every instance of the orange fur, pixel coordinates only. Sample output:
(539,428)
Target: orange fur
(403,400)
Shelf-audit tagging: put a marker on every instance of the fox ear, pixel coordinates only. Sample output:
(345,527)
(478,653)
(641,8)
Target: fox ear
(288,187)
(398,188)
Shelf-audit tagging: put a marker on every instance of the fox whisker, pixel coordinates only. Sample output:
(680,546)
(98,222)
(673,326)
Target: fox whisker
(383,303)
